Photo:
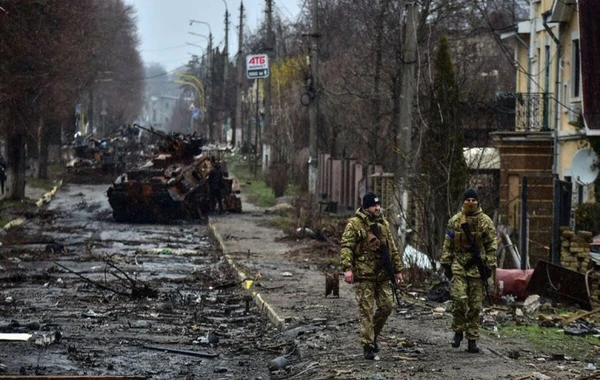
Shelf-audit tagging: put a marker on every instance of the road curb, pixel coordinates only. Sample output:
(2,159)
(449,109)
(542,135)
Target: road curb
(259,301)
(46,198)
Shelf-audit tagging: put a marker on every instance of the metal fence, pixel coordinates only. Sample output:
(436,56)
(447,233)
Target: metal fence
(343,181)
(519,111)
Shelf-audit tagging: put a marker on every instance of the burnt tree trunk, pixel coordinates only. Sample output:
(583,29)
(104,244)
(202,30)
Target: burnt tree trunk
(16,163)
(44,136)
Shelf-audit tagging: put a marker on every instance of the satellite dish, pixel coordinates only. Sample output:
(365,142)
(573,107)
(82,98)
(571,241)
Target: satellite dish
(583,166)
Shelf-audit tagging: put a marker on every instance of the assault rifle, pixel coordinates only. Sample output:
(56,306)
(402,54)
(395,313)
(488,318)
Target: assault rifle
(484,272)
(386,261)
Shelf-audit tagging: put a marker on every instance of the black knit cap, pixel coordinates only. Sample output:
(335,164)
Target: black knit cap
(470,193)
(370,199)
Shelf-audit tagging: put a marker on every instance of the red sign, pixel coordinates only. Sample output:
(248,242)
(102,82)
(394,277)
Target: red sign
(257,66)
(257,60)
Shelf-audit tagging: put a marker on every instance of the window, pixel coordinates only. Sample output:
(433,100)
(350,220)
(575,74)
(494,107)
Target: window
(575,69)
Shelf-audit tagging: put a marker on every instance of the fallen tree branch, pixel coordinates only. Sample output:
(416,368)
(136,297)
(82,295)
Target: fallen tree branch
(184,352)
(577,316)
(101,286)
(136,291)
(498,353)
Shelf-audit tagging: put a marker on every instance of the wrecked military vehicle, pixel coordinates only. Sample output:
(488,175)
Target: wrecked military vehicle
(172,185)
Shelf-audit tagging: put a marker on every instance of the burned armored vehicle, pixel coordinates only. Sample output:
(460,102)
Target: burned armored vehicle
(172,185)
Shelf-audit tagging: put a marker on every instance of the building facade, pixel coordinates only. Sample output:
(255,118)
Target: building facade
(543,127)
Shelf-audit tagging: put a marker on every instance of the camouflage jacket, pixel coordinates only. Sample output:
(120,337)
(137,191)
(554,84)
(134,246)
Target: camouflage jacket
(361,251)
(456,246)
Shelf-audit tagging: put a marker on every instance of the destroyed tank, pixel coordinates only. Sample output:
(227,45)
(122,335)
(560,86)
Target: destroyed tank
(172,185)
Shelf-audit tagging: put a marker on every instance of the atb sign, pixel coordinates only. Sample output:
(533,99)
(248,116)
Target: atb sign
(257,66)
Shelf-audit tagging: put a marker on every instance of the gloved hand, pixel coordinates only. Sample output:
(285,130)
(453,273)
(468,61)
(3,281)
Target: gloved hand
(348,276)
(447,271)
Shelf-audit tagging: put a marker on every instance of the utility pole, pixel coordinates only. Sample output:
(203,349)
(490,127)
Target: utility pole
(240,73)
(226,49)
(268,135)
(314,104)
(376,100)
(210,110)
(226,110)
(256,125)
(404,136)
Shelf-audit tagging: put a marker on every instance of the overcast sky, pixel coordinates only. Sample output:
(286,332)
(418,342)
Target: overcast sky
(163,25)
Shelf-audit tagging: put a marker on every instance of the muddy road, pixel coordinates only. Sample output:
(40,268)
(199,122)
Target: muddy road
(164,302)
(118,295)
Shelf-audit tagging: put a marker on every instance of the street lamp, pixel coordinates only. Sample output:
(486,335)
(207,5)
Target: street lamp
(195,45)
(202,22)
(209,41)
(199,35)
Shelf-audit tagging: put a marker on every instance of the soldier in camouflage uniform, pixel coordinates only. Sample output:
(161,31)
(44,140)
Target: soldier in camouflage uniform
(466,289)
(361,261)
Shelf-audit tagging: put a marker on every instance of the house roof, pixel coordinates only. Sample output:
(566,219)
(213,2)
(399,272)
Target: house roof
(482,158)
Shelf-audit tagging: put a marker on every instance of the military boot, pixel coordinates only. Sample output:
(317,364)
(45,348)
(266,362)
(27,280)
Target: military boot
(375,348)
(458,337)
(472,348)
(368,353)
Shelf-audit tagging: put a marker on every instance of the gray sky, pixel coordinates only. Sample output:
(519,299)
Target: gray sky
(163,25)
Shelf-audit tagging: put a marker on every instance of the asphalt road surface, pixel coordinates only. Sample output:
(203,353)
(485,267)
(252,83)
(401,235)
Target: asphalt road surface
(156,301)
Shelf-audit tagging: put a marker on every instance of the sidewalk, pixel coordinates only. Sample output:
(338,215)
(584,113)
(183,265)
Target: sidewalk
(291,287)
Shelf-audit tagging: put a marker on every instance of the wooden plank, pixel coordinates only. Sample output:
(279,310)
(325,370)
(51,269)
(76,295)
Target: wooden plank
(575,317)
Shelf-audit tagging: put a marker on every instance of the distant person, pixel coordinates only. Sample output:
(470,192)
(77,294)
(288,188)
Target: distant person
(215,184)
(361,259)
(466,285)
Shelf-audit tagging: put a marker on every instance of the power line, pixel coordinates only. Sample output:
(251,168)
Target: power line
(518,66)
(279,8)
(162,49)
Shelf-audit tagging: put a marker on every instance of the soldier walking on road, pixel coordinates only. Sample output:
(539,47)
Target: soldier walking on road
(361,260)
(467,288)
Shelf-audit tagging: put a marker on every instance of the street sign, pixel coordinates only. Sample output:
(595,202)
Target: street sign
(257,66)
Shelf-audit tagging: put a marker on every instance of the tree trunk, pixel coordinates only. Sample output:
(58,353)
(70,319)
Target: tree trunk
(16,162)
(376,96)
(43,144)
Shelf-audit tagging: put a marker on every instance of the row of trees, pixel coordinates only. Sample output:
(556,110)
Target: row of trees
(54,55)
(461,64)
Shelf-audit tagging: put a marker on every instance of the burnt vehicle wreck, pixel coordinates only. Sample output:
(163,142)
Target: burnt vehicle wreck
(173,184)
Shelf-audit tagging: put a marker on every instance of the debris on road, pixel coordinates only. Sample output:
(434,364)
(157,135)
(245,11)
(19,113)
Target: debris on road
(15,336)
(200,354)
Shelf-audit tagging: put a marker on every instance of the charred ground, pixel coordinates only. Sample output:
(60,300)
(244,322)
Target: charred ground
(164,302)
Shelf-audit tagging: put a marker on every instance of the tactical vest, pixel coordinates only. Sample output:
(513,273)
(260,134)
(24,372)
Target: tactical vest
(462,245)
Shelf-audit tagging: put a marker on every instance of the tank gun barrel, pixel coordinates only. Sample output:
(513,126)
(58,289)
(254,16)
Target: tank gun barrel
(163,136)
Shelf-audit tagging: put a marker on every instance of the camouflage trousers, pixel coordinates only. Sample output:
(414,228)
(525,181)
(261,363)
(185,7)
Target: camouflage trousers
(467,303)
(368,294)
